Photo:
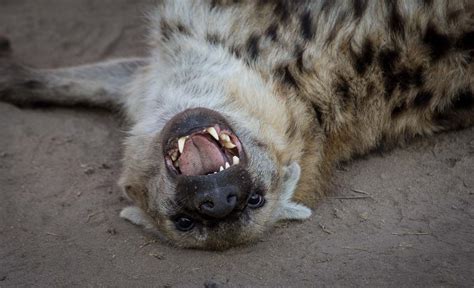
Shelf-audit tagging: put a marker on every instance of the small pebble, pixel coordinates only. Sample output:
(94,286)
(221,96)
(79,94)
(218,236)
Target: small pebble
(112,231)
(89,171)
(211,284)
(105,166)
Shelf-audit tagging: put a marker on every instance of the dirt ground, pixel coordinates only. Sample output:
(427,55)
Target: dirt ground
(59,203)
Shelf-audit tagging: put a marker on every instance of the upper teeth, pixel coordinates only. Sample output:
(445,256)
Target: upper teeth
(181,142)
(213,132)
(174,155)
(223,138)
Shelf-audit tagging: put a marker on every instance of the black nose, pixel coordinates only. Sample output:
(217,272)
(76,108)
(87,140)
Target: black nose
(218,195)
(217,203)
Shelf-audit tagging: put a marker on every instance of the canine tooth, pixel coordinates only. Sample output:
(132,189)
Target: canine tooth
(235,160)
(229,145)
(213,132)
(227,165)
(221,169)
(174,156)
(181,142)
(225,137)
(176,164)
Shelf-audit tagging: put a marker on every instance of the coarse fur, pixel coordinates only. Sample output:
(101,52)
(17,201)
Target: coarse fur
(304,85)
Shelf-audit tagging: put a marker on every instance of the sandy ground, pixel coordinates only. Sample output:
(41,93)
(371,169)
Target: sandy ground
(59,203)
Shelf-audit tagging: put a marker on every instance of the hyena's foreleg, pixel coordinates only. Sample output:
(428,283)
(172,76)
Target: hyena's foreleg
(102,84)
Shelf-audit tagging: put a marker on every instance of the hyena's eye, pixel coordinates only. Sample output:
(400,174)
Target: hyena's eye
(256,201)
(184,223)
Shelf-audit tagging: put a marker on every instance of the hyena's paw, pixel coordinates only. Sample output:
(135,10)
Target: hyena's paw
(16,80)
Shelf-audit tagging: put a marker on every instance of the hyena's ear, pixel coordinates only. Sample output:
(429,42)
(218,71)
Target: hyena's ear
(290,210)
(137,216)
(138,194)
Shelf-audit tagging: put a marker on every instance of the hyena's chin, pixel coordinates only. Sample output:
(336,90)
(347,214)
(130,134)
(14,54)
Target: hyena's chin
(208,164)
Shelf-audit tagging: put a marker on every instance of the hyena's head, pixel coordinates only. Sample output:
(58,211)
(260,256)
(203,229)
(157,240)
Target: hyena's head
(209,163)
(215,176)
(206,182)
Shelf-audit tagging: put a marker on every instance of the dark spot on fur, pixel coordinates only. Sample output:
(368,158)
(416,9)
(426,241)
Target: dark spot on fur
(399,109)
(213,38)
(404,79)
(236,51)
(327,5)
(318,114)
(422,99)
(470,57)
(299,58)
(272,32)
(182,29)
(359,7)
(418,77)
(466,41)
(387,60)
(455,116)
(389,87)
(439,44)
(165,30)
(282,10)
(252,46)
(32,84)
(306,22)
(366,57)
(286,76)
(343,89)
(428,3)
(464,100)
(453,16)
(215,3)
(395,20)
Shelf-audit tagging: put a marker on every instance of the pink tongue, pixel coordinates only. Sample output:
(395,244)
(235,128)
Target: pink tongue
(200,156)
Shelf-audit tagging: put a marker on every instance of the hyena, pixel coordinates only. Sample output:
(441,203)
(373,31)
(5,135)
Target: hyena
(242,108)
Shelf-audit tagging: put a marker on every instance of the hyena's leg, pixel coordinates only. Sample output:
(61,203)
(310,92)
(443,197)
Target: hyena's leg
(102,84)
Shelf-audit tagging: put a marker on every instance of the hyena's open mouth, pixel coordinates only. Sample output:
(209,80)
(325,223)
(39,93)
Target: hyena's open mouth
(206,151)
(208,163)
(200,142)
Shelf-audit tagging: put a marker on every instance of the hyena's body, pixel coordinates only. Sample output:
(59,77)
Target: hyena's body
(306,82)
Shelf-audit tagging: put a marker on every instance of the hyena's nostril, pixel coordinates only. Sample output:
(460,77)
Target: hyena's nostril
(207,205)
(232,199)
